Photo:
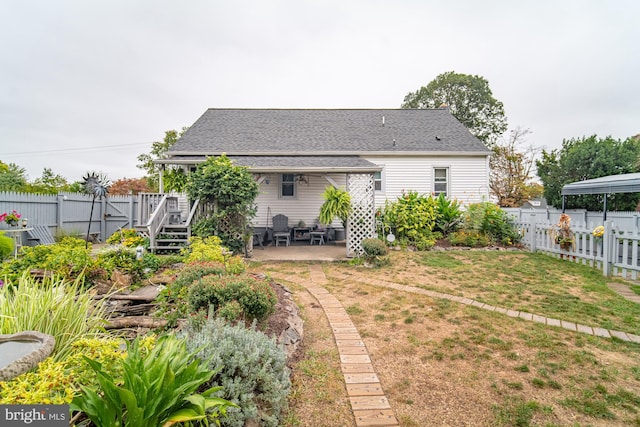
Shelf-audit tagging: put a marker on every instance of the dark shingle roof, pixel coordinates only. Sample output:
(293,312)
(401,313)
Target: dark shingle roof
(290,163)
(326,132)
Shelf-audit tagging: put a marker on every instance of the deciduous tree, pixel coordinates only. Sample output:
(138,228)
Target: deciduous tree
(12,177)
(125,186)
(588,158)
(511,170)
(159,151)
(469,99)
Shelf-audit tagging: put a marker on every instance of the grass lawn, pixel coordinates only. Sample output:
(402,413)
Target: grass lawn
(444,363)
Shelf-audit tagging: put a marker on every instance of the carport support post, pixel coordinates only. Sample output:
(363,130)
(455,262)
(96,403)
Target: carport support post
(607,248)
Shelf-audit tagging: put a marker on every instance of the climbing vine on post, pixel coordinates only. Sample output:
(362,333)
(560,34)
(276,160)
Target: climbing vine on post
(232,191)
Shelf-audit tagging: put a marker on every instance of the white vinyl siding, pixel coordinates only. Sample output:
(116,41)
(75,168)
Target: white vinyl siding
(306,205)
(468,176)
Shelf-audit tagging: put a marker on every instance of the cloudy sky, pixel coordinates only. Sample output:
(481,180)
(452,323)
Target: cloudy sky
(88,85)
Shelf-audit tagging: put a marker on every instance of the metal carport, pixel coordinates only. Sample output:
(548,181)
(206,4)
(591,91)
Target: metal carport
(624,183)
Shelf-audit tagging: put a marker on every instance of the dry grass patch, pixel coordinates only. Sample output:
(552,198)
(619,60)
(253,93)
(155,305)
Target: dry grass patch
(444,363)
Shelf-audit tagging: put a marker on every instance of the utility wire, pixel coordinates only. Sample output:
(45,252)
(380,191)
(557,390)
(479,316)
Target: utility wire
(74,150)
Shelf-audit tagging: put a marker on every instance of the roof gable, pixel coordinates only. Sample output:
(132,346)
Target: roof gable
(326,132)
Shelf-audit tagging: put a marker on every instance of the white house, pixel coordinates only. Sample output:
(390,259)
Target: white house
(374,153)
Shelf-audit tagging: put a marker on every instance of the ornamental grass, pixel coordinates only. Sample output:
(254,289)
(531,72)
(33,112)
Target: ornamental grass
(53,306)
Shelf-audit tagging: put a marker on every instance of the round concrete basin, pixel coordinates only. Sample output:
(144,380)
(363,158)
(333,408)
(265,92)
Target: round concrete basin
(23,351)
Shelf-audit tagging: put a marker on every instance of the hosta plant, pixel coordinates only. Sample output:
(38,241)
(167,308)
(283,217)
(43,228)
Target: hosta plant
(158,389)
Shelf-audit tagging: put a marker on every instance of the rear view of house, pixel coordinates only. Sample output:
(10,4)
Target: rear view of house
(375,154)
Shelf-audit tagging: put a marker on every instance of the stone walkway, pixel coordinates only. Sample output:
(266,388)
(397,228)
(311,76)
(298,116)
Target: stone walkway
(576,327)
(624,291)
(369,404)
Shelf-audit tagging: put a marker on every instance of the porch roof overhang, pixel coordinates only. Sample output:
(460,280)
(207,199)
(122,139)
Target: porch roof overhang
(273,164)
(624,183)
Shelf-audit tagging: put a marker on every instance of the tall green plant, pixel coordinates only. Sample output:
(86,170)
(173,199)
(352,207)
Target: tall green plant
(448,215)
(337,204)
(54,306)
(232,191)
(412,217)
(158,389)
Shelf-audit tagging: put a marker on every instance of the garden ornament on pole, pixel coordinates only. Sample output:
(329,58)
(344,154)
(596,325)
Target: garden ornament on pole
(98,186)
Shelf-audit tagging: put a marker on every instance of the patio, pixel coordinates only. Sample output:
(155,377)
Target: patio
(301,251)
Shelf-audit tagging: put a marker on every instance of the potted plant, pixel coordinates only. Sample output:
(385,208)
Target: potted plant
(337,204)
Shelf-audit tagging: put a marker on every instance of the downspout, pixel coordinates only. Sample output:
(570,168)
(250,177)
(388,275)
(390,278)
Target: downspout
(606,196)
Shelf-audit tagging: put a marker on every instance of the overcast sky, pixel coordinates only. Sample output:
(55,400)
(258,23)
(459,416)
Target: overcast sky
(88,85)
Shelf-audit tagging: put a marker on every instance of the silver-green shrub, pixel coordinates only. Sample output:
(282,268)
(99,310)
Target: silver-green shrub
(252,371)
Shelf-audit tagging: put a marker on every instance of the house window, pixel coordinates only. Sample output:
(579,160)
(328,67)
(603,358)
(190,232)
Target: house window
(377,181)
(287,185)
(440,181)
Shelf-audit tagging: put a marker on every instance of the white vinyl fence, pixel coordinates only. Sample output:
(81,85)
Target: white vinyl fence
(615,253)
(69,212)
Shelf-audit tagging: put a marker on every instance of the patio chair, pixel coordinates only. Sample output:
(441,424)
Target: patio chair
(281,231)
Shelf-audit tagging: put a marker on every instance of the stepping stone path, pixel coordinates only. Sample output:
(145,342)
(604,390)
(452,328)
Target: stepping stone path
(369,404)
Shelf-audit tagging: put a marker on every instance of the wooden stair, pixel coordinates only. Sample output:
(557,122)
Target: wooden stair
(171,238)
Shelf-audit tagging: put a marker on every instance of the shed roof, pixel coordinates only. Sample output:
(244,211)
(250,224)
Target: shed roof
(623,183)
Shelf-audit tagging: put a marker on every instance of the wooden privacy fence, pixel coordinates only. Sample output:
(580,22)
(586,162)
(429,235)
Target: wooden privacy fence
(68,213)
(615,253)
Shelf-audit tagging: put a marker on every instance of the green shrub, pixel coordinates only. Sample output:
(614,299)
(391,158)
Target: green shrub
(256,297)
(172,301)
(57,382)
(374,247)
(156,388)
(6,246)
(251,369)
(411,218)
(53,306)
(375,252)
(448,216)
(207,249)
(128,237)
(124,260)
(489,219)
(473,239)
(68,259)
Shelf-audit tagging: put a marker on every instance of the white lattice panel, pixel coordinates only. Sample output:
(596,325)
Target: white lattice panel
(361,224)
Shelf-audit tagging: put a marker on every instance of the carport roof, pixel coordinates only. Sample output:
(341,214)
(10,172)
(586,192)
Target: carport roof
(624,183)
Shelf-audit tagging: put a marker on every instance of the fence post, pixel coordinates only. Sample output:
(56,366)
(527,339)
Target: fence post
(103,218)
(532,232)
(607,246)
(59,220)
(131,211)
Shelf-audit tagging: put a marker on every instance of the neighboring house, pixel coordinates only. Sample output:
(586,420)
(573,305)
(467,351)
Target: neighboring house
(374,154)
(539,203)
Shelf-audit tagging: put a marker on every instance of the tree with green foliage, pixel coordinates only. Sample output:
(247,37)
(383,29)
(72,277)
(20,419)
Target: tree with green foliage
(469,99)
(159,151)
(12,177)
(589,158)
(49,183)
(232,191)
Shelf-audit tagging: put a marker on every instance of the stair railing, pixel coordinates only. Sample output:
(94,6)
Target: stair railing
(157,221)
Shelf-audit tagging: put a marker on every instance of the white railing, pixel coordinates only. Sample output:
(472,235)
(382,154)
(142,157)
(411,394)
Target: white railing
(615,253)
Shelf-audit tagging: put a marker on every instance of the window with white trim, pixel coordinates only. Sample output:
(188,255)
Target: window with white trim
(441,181)
(377,182)
(287,185)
